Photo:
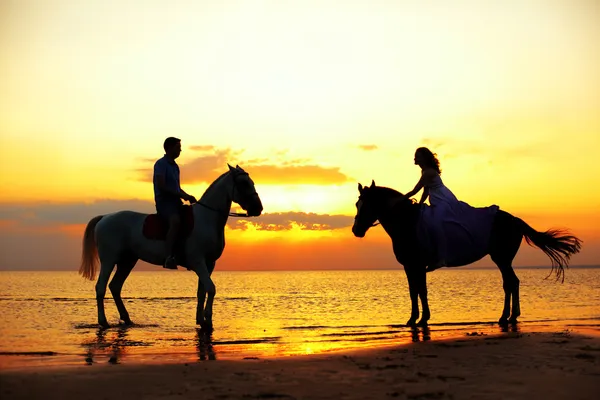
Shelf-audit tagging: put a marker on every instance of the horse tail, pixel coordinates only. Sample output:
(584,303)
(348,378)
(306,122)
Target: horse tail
(89,253)
(557,244)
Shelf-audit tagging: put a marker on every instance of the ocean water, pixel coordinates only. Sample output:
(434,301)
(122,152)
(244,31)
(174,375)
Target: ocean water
(49,318)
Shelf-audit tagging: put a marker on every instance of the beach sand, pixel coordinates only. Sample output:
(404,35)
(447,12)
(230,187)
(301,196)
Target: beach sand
(544,365)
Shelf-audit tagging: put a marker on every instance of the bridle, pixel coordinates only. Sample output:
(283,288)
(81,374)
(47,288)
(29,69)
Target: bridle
(370,226)
(230,214)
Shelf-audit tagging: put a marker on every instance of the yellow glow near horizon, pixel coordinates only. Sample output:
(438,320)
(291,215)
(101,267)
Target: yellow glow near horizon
(506,94)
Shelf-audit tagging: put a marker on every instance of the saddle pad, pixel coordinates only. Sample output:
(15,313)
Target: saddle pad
(155,228)
(467,230)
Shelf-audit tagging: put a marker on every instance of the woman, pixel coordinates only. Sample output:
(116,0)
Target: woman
(441,198)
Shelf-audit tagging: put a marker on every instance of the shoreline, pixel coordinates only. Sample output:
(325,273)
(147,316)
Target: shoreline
(35,361)
(550,365)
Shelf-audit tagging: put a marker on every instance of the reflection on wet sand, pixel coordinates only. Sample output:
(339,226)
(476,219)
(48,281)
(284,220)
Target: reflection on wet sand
(115,345)
(515,328)
(102,345)
(420,333)
(204,345)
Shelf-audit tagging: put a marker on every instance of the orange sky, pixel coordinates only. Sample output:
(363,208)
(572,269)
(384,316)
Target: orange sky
(310,98)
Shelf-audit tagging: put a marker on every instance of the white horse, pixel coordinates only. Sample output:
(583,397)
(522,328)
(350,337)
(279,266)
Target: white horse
(118,238)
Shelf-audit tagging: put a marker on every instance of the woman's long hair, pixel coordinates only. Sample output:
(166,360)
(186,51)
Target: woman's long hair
(430,159)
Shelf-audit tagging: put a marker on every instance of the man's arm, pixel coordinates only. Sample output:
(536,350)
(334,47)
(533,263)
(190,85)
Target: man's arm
(189,197)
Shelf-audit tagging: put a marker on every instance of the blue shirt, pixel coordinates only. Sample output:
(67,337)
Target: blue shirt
(170,170)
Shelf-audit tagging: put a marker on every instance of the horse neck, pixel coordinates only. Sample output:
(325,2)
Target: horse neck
(394,217)
(218,194)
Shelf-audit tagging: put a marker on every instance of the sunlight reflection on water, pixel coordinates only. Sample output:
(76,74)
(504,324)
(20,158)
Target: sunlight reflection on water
(259,314)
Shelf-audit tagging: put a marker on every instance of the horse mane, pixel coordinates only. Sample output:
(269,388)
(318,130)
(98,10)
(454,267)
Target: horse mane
(219,179)
(386,191)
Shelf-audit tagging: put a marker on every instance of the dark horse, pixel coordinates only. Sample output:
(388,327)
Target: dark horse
(400,218)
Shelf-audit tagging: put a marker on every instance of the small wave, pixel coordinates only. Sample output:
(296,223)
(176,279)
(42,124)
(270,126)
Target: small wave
(358,334)
(29,299)
(248,341)
(309,327)
(28,353)
(95,326)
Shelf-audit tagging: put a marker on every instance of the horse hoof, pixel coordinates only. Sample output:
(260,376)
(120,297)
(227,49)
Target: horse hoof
(422,323)
(127,323)
(411,322)
(104,325)
(503,321)
(513,320)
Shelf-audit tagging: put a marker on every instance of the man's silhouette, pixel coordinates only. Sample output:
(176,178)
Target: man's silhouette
(168,195)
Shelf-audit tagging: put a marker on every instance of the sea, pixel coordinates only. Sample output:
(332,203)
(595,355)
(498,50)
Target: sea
(50,318)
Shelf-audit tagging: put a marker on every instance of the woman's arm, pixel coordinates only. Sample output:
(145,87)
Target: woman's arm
(416,189)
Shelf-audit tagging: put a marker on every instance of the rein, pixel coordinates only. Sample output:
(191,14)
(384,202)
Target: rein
(230,214)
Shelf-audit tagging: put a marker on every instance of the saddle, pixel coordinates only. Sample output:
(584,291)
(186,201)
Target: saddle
(155,227)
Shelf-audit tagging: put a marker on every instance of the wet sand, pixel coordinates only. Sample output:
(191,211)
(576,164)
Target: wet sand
(545,365)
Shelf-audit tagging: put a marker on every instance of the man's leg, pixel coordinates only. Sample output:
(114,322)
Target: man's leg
(174,225)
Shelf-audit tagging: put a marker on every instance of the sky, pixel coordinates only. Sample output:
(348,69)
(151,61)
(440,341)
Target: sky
(309,97)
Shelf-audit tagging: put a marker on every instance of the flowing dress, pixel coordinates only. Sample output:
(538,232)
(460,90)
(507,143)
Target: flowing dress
(452,230)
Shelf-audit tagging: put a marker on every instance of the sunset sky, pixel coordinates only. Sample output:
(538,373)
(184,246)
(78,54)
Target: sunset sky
(310,97)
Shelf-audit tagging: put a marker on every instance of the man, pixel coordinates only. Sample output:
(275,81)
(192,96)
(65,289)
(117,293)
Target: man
(168,195)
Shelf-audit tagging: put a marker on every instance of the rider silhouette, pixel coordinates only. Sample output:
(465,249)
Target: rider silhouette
(440,197)
(168,195)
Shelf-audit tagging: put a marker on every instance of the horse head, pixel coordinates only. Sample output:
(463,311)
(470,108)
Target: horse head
(375,202)
(366,210)
(244,193)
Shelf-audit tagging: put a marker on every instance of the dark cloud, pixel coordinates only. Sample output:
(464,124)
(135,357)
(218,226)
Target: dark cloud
(286,221)
(50,214)
(68,213)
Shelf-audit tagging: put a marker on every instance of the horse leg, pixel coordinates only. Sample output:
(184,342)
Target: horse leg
(507,294)
(124,267)
(421,278)
(106,269)
(505,243)
(205,287)
(516,303)
(414,297)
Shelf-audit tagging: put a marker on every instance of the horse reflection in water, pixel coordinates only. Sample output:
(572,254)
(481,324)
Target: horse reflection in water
(204,345)
(420,333)
(115,347)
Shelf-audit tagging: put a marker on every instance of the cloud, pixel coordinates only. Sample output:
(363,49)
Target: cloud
(208,167)
(202,148)
(289,220)
(368,147)
(52,214)
(68,213)
(297,174)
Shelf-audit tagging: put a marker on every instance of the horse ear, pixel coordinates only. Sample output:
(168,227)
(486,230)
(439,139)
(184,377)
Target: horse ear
(372,182)
(360,187)
(230,167)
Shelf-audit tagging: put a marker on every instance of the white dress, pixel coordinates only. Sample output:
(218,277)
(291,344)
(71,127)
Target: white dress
(440,195)
(445,206)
